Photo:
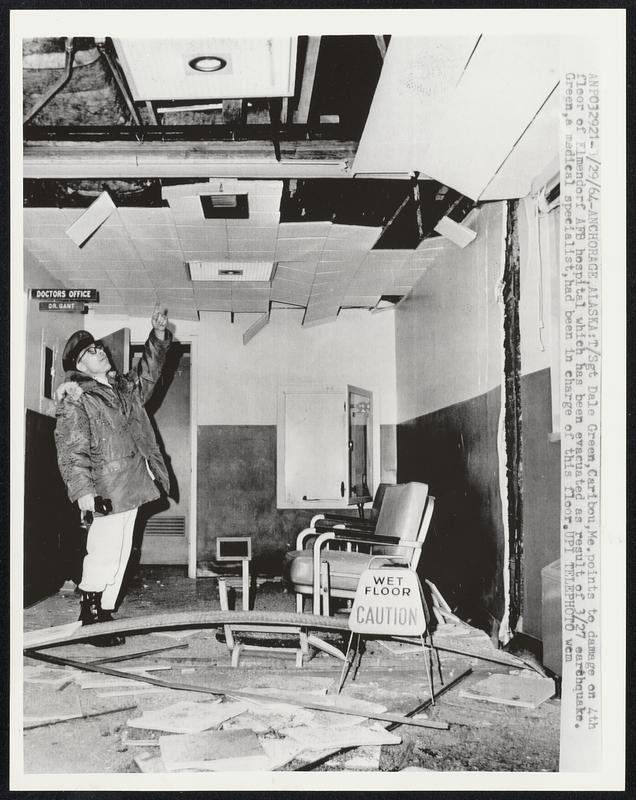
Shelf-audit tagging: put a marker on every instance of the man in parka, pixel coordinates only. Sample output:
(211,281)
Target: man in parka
(106,447)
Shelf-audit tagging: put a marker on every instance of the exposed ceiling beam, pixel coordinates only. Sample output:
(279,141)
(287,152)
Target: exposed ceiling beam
(309,76)
(256,159)
(379,40)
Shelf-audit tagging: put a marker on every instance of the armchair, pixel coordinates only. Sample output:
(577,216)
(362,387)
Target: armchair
(318,570)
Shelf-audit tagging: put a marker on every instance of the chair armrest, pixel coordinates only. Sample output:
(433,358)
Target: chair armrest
(362,536)
(304,534)
(328,523)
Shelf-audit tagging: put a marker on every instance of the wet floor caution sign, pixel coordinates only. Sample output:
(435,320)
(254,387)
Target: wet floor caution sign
(388,601)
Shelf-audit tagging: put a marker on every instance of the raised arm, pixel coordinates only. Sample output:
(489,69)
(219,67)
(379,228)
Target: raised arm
(153,358)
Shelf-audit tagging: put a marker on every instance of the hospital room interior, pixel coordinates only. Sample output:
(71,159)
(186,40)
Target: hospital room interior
(355,240)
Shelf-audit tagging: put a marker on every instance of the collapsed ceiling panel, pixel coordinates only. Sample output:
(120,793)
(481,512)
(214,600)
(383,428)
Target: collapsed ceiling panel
(504,86)
(455,109)
(322,265)
(418,75)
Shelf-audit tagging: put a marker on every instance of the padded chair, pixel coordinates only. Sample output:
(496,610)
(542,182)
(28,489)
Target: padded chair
(326,521)
(319,570)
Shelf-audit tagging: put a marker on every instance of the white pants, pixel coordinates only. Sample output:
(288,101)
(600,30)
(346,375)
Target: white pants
(108,547)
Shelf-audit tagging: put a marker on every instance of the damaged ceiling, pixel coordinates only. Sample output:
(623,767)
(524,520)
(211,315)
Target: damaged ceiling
(198,190)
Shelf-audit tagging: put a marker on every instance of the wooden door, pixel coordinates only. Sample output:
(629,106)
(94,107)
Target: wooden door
(117,346)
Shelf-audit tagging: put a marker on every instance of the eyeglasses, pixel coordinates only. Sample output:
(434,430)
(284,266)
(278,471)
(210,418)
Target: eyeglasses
(94,348)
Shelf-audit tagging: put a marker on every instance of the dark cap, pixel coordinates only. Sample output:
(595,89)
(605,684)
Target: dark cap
(79,341)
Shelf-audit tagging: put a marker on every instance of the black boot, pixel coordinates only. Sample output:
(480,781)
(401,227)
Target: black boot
(91,612)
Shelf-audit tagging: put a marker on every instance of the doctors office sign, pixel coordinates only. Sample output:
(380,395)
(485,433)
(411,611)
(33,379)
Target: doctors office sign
(69,300)
(388,601)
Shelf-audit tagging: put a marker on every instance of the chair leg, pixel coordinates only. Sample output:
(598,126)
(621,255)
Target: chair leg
(349,657)
(325,588)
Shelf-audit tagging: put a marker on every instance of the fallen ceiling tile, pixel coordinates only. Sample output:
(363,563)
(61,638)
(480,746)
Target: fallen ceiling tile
(512,690)
(458,234)
(188,716)
(536,148)
(503,87)
(213,750)
(257,326)
(418,75)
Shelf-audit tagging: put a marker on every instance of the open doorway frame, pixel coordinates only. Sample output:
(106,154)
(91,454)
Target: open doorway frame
(191,340)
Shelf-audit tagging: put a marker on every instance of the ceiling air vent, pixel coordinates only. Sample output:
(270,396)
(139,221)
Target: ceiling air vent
(231,270)
(225,206)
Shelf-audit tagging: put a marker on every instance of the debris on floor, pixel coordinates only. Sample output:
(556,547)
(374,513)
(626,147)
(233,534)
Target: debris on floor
(46,706)
(121,725)
(525,690)
(188,717)
(213,750)
(316,739)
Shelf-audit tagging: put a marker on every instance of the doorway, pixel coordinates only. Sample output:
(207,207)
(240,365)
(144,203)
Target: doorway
(162,535)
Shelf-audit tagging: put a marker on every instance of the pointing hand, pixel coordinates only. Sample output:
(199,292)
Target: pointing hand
(159,321)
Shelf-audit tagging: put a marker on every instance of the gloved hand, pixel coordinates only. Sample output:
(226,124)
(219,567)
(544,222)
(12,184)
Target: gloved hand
(86,502)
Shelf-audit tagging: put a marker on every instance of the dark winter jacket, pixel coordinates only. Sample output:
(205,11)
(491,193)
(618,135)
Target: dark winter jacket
(105,441)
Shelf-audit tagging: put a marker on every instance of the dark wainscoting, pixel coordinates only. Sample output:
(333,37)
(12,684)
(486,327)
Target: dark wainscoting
(454,450)
(53,540)
(236,483)
(541,461)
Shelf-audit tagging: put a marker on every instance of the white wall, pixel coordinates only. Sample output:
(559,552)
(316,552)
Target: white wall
(449,329)
(43,328)
(539,301)
(238,384)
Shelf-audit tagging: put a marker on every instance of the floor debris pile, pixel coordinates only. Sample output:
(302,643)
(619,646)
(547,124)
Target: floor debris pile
(273,716)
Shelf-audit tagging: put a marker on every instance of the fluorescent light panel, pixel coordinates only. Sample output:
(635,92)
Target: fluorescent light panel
(231,270)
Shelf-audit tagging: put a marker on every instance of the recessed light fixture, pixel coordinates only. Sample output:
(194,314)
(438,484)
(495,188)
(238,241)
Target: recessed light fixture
(207,63)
